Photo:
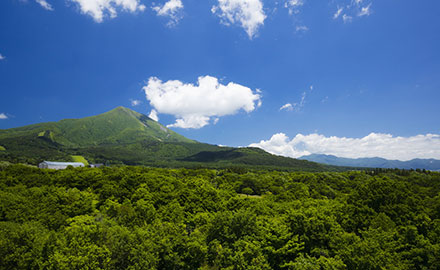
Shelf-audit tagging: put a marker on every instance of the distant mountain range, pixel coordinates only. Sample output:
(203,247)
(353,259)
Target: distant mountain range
(123,136)
(428,164)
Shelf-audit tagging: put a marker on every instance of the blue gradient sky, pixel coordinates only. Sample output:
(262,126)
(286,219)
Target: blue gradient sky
(378,73)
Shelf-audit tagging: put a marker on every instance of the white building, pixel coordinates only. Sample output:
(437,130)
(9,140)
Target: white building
(58,165)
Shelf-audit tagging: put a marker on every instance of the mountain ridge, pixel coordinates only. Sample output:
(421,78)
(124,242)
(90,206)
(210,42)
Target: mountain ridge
(123,136)
(375,162)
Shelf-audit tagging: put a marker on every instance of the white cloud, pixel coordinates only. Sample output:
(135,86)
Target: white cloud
(98,9)
(297,106)
(293,6)
(3,116)
(373,145)
(2,57)
(346,18)
(45,4)
(355,8)
(338,13)
(300,105)
(287,107)
(248,14)
(195,106)
(135,102)
(302,28)
(279,144)
(171,9)
(153,115)
(365,11)
(295,3)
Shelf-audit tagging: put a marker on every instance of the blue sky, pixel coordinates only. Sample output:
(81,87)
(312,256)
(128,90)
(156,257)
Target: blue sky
(366,71)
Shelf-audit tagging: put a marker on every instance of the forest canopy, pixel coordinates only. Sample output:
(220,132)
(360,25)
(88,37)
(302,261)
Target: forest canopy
(151,218)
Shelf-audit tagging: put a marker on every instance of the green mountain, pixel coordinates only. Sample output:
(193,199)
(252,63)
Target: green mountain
(118,126)
(123,136)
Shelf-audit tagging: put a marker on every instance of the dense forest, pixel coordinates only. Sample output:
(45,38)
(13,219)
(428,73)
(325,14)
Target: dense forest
(152,218)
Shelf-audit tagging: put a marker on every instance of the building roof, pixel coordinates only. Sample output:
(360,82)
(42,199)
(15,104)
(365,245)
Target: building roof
(63,163)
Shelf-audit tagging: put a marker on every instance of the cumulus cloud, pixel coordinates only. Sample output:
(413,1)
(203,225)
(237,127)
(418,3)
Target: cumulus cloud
(2,57)
(135,102)
(98,9)
(374,145)
(172,9)
(248,14)
(45,4)
(195,105)
(3,116)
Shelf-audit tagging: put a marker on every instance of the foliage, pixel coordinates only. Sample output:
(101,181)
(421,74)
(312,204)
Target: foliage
(151,218)
(80,159)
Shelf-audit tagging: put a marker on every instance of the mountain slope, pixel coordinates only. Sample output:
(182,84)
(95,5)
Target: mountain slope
(428,164)
(123,136)
(120,125)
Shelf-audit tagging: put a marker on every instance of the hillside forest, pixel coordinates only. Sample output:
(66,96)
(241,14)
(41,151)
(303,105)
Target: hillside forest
(153,218)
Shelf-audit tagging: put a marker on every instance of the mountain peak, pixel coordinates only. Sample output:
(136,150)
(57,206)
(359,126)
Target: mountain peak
(124,110)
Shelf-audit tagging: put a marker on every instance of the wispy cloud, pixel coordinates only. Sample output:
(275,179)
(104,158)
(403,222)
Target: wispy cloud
(355,8)
(287,107)
(45,4)
(249,14)
(338,13)
(2,57)
(171,9)
(293,6)
(374,145)
(3,116)
(135,102)
(297,106)
(301,29)
(303,100)
(346,18)
(365,11)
